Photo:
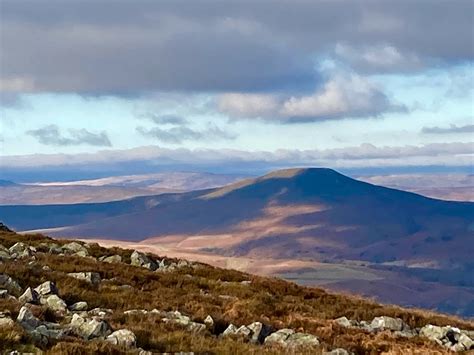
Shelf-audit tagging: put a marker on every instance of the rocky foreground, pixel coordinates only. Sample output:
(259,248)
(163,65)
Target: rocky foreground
(71,297)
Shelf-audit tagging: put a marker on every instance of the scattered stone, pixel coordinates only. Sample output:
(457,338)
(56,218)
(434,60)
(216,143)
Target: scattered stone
(246,282)
(54,303)
(279,337)
(3,293)
(29,296)
(111,259)
(301,339)
(4,253)
(47,288)
(6,282)
(230,330)
(21,250)
(388,323)
(209,322)
(46,268)
(450,337)
(89,328)
(243,332)
(343,322)
(259,332)
(78,307)
(123,338)
(100,312)
(142,260)
(27,320)
(90,277)
(74,248)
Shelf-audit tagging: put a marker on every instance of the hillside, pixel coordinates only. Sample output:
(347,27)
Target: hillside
(370,239)
(67,297)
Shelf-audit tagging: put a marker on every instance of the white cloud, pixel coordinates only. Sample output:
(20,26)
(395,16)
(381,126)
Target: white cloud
(343,96)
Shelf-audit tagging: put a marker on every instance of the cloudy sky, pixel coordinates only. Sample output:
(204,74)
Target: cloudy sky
(346,84)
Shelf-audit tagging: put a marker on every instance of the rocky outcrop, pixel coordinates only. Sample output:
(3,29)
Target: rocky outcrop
(47,288)
(90,277)
(9,284)
(450,337)
(142,260)
(29,296)
(288,338)
(89,328)
(123,338)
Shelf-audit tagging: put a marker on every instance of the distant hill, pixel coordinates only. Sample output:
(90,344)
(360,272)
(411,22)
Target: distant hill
(297,214)
(7,183)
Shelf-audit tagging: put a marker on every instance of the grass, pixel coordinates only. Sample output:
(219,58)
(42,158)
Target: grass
(198,292)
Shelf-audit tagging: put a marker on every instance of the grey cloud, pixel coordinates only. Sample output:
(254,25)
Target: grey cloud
(163,119)
(177,135)
(128,47)
(51,135)
(365,155)
(446,130)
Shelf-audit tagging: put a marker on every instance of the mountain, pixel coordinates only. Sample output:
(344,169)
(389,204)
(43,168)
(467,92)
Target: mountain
(71,297)
(108,189)
(393,238)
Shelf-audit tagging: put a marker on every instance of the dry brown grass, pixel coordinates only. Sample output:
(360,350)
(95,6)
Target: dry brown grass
(196,292)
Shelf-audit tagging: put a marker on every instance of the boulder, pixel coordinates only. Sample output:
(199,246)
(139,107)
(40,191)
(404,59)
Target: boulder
(111,259)
(21,250)
(47,288)
(6,282)
(196,328)
(54,303)
(259,332)
(343,322)
(27,320)
(100,312)
(90,277)
(29,296)
(123,338)
(142,260)
(89,328)
(279,337)
(74,248)
(209,322)
(230,330)
(78,307)
(388,323)
(244,332)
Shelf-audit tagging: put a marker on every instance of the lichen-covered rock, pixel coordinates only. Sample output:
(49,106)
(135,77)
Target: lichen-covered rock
(90,277)
(123,338)
(279,337)
(142,260)
(230,330)
(21,250)
(47,288)
(301,340)
(4,253)
(78,306)
(29,296)
(74,248)
(259,332)
(343,322)
(6,282)
(26,319)
(54,303)
(388,323)
(89,328)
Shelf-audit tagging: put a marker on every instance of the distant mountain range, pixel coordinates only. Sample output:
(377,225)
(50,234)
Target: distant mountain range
(296,214)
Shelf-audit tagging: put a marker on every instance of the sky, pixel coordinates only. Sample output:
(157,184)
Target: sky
(110,87)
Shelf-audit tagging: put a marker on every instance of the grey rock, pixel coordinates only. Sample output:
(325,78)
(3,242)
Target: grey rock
(90,277)
(244,332)
(4,253)
(29,296)
(100,312)
(6,282)
(47,288)
(196,328)
(54,303)
(26,319)
(466,341)
(89,328)
(111,259)
(78,307)
(123,338)
(3,293)
(209,322)
(343,322)
(75,247)
(21,250)
(279,337)
(142,260)
(388,323)
(230,330)
(259,332)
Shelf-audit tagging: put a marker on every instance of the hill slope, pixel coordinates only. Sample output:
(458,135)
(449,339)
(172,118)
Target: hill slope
(88,299)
